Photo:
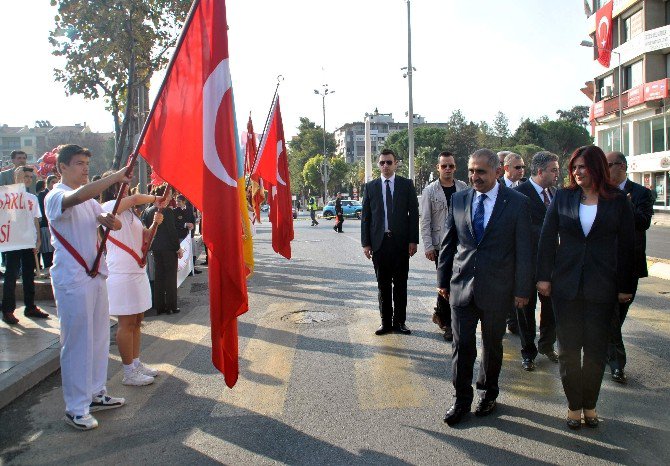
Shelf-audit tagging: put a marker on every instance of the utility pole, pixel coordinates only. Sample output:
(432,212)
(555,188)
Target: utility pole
(325,167)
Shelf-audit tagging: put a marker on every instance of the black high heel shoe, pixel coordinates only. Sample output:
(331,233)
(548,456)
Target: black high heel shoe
(574,424)
(591,421)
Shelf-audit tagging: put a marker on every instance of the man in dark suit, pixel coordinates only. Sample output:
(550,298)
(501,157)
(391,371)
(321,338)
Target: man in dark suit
(389,236)
(484,269)
(643,209)
(540,190)
(339,214)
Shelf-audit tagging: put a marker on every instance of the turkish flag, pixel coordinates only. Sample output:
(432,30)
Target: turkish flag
(604,34)
(256,185)
(191,144)
(273,165)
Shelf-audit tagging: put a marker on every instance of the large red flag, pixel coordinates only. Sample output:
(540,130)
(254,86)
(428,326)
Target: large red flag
(256,184)
(191,144)
(273,164)
(604,33)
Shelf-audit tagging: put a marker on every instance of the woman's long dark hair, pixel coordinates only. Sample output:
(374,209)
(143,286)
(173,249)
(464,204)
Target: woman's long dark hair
(596,164)
(110,193)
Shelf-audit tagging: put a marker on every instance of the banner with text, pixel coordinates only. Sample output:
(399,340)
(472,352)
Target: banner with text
(17,227)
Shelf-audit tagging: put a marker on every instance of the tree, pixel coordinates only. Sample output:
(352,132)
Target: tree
(311,174)
(112,49)
(303,147)
(579,115)
(461,139)
(529,132)
(501,128)
(563,137)
(428,141)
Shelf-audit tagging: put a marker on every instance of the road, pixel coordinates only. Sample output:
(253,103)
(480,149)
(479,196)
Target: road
(321,388)
(658,241)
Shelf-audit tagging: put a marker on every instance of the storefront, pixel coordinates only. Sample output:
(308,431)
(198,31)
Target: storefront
(653,172)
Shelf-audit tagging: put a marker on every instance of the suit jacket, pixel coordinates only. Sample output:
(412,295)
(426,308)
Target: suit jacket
(643,210)
(537,213)
(599,264)
(404,221)
(434,213)
(497,269)
(166,238)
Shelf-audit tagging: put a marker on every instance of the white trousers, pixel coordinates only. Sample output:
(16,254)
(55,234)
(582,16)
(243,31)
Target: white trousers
(84,337)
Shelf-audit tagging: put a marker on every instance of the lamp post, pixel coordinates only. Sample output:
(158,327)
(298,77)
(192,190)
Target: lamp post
(410,69)
(325,166)
(588,43)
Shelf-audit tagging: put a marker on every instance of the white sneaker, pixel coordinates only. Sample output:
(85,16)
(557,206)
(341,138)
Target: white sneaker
(147,370)
(101,402)
(86,422)
(137,378)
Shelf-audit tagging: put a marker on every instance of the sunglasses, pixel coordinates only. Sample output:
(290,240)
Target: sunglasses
(520,167)
(611,164)
(449,165)
(387,162)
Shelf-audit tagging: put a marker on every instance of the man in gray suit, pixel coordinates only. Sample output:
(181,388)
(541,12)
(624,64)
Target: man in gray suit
(485,267)
(19,159)
(435,202)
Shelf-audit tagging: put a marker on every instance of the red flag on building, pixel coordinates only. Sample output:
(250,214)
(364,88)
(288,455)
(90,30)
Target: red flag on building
(272,166)
(604,33)
(191,143)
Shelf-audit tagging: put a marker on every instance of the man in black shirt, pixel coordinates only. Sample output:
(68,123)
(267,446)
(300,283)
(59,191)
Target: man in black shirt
(339,214)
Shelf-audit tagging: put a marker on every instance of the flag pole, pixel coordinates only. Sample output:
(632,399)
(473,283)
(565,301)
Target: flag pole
(280,78)
(133,157)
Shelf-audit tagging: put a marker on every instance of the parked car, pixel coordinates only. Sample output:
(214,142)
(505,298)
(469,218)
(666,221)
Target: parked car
(350,207)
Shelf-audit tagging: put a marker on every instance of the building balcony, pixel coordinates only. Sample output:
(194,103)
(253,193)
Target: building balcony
(643,95)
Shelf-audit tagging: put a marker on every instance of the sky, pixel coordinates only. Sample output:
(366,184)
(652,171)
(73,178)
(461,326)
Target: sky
(521,57)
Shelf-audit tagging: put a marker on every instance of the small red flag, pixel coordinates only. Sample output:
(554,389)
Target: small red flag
(191,143)
(604,33)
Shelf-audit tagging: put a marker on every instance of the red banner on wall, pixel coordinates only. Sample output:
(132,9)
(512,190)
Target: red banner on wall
(636,95)
(656,90)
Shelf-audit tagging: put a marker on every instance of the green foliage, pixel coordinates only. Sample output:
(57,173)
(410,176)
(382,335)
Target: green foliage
(113,47)
(501,129)
(302,148)
(578,115)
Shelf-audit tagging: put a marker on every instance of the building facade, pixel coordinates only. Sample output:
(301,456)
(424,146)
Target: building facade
(637,81)
(350,138)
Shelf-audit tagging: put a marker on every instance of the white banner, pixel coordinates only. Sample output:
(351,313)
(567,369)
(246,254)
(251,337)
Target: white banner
(17,227)
(185,264)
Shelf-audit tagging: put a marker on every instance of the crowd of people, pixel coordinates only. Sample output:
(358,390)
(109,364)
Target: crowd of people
(502,242)
(68,213)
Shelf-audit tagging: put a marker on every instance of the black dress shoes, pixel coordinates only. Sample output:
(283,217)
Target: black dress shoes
(528,364)
(455,414)
(485,407)
(619,376)
(591,421)
(176,311)
(402,328)
(551,355)
(383,330)
(574,424)
(448,334)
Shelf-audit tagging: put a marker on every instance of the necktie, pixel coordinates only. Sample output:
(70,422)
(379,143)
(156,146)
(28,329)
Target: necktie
(478,218)
(547,202)
(389,204)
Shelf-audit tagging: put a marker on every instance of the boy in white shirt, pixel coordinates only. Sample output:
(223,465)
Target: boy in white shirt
(81,294)
(23,260)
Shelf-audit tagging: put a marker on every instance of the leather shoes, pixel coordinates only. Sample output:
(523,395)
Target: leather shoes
(485,407)
(528,364)
(574,424)
(383,330)
(35,312)
(551,355)
(591,421)
(619,376)
(455,414)
(9,318)
(402,328)
(448,334)
(176,311)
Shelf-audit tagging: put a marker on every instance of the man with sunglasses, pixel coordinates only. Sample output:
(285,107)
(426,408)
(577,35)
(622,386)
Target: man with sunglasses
(643,209)
(514,168)
(389,236)
(435,202)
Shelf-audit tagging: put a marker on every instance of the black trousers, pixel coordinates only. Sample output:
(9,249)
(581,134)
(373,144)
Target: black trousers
(585,326)
(616,350)
(165,280)
(312,214)
(527,324)
(47,259)
(21,260)
(443,308)
(464,324)
(391,264)
(340,221)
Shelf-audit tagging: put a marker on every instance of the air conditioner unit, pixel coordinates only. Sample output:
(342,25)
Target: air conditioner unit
(606,91)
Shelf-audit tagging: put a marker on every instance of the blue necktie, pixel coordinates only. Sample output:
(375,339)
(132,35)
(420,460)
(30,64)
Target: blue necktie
(478,218)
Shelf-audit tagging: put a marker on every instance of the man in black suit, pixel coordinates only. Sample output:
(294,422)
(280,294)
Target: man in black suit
(389,236)
(339,214)
(643,209)
(540,190)
(485,268)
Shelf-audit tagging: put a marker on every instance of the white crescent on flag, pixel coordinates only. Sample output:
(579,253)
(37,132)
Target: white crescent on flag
(216,86)
(280,148)
(603,37)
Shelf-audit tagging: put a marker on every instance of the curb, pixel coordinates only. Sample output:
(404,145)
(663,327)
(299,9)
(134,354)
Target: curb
(658,268)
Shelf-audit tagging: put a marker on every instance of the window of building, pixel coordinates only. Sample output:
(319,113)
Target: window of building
(632,75)
(601,87)
(632,26)
(27,143)
(652,135)
(11,143)
(608,139)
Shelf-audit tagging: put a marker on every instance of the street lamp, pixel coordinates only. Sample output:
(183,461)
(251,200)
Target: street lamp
(588,43)
(410,69)
(325,167)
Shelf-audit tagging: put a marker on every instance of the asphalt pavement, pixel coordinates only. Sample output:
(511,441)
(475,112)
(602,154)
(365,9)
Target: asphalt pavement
(318,387)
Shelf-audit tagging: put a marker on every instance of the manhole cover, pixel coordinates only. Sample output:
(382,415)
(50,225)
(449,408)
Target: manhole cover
(308,317)
(198,287)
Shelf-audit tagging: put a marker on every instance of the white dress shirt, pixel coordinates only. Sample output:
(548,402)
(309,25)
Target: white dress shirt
(539,190)
(587,215)
(509,183)
(623,185)
(489,202)
(392,185)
